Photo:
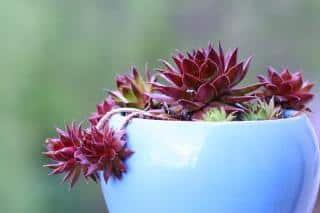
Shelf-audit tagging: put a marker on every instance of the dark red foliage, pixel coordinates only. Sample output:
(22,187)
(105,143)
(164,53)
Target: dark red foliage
(88,151)
(288,89)
(131,89)
(205,77)
(101,110)
(105,150)
(62,151)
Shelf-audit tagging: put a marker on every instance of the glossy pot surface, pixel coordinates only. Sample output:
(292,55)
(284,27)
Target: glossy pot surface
(236,167)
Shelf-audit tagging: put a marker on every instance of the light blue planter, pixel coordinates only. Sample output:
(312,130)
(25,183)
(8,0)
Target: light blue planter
(205,167)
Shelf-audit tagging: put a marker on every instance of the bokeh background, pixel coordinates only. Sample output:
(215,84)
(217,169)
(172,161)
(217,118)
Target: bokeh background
(56,56)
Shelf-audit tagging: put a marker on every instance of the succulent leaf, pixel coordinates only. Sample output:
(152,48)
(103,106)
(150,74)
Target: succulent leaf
(218,114)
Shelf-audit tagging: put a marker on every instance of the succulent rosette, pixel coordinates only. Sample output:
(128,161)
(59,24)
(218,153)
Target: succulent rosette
(88,151)
(63,151)
(205,78)
(105,150)
(101,109)
(131,89)
(288,89)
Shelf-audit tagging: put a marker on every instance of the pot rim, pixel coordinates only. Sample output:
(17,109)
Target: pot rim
(302,116)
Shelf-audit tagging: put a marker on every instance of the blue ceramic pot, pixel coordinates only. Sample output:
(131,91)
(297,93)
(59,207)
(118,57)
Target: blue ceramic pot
(236,167)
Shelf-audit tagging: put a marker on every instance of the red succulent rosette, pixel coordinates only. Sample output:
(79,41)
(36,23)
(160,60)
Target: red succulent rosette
(205,78)
(88,151)
(131,89)
(288,89)
(62,151)
(101,109)
(105,150)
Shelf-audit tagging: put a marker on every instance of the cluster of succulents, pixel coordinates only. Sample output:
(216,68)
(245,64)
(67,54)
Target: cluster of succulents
(262,110)
(201,85)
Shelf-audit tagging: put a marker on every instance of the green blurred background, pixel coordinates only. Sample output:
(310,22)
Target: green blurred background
(58,55)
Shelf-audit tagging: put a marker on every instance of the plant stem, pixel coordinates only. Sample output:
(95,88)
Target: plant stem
(128,119)
(108,115)
(134,113)
(144,113)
